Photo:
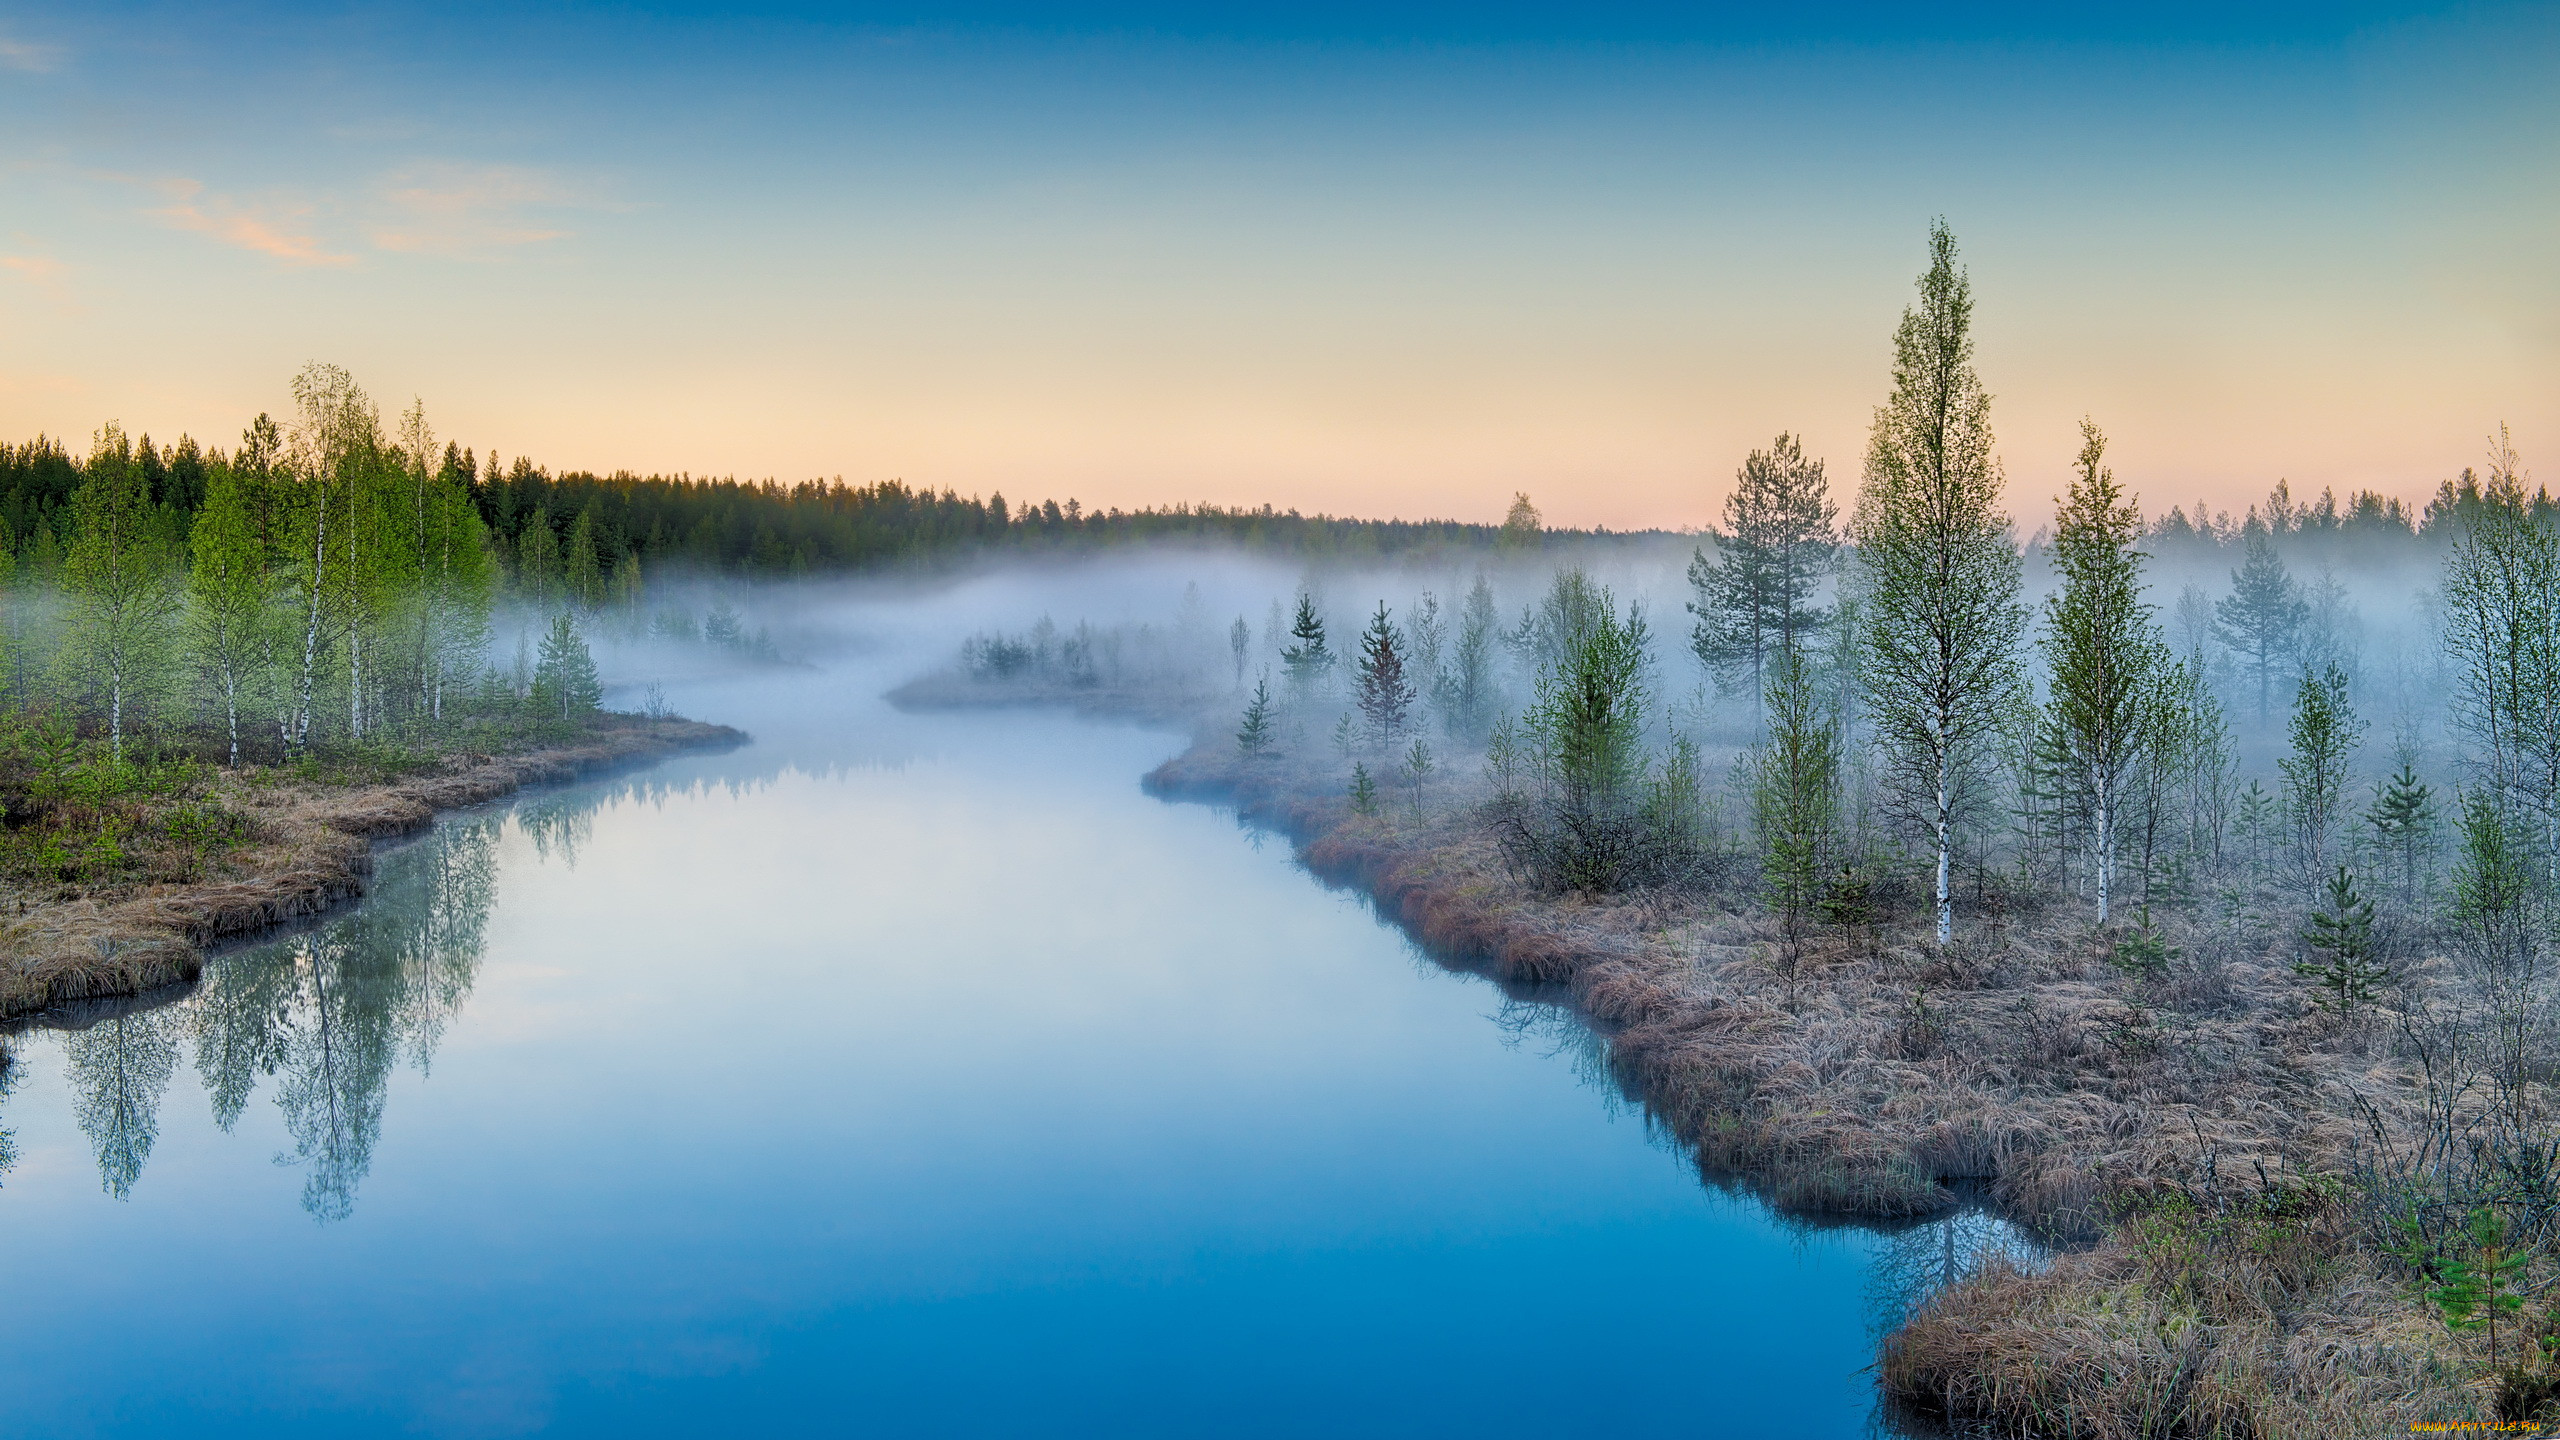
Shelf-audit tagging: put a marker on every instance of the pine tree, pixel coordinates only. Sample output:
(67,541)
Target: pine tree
(2325,734)
(1383,693)
(1943,617)
(1309,660)
(1754,600)
(2260,621)
(2403,818)
(1254,735)
(116,579)
(2104,649)
(2345,965)
(564,680)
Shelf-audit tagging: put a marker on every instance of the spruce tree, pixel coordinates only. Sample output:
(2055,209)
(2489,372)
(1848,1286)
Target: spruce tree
(2345,964)
(2403,818)
(1754,600)
(1309,660)
(1943,617)
(1253,736)
(1240,641)
(2260,621)
(564,680)
(2104,649)
(1383,693)
(1364,790)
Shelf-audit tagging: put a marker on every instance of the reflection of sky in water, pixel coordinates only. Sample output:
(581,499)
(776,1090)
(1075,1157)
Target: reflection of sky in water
(969,1093)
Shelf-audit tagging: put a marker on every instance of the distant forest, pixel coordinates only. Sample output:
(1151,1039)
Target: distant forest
(767,528)
(744,527)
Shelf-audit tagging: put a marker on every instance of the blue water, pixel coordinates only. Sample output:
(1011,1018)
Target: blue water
(895,1075)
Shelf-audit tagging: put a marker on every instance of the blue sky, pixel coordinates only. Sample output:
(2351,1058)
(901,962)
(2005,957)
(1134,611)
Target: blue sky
(1351,258)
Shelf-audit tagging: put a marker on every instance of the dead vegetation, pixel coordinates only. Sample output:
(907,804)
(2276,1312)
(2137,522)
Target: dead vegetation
(2167,1098)
(115,889)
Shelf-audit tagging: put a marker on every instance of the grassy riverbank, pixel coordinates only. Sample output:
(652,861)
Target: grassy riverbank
(115,873)
(2203,1138)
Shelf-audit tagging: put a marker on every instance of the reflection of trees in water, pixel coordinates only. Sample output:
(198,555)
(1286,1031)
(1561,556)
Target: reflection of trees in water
(1560,1032)
(118,1069)
(1911,1264)
(329,1014)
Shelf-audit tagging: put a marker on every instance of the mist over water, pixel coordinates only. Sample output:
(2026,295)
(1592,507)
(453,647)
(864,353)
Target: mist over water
(894,1074)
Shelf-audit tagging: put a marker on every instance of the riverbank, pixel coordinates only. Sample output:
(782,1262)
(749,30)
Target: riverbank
(2184,1127)
(128,899)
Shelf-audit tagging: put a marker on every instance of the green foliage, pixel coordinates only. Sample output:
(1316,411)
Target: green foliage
(1588,719)
(1522,527)
(118,581)
(1382,692)
(2261,619)
(2105,652)
(2495,903)
(1942,616)
(2144,952)
(1467,683)
(1364,789)
(1754,599)
(1795,800)
(564,681)
(2345,965)
(2325,733)
(1255,734)
(1309,660)
(2403,818)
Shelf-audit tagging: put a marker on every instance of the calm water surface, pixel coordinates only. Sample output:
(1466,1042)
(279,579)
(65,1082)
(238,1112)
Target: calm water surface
(896,1075)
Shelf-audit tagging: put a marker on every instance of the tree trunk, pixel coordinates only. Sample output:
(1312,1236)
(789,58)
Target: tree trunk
(1946,856)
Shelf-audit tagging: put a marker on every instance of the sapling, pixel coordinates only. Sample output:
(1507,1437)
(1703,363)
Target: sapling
(1364,790)
(1253,736)
(2345,966)
(1417,768)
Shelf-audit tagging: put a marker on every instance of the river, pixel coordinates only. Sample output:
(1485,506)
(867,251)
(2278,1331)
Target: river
(893,1075)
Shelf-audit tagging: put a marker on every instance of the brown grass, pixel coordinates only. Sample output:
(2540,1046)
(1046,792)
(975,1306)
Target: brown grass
(309,847)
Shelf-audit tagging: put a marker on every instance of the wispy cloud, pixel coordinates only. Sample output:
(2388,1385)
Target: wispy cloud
(471,211)
(41,270)
(16,54)
(268,230)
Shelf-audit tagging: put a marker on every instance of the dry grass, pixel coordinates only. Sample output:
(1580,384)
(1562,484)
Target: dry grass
(2090,1105)
(305,846)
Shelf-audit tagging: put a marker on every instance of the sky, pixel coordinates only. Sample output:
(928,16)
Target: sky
(1374,260)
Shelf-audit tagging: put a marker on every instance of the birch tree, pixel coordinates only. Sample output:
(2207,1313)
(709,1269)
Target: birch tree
(2502,604)
(1943,618)
(231,595)
(2104,650)
(117,581)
